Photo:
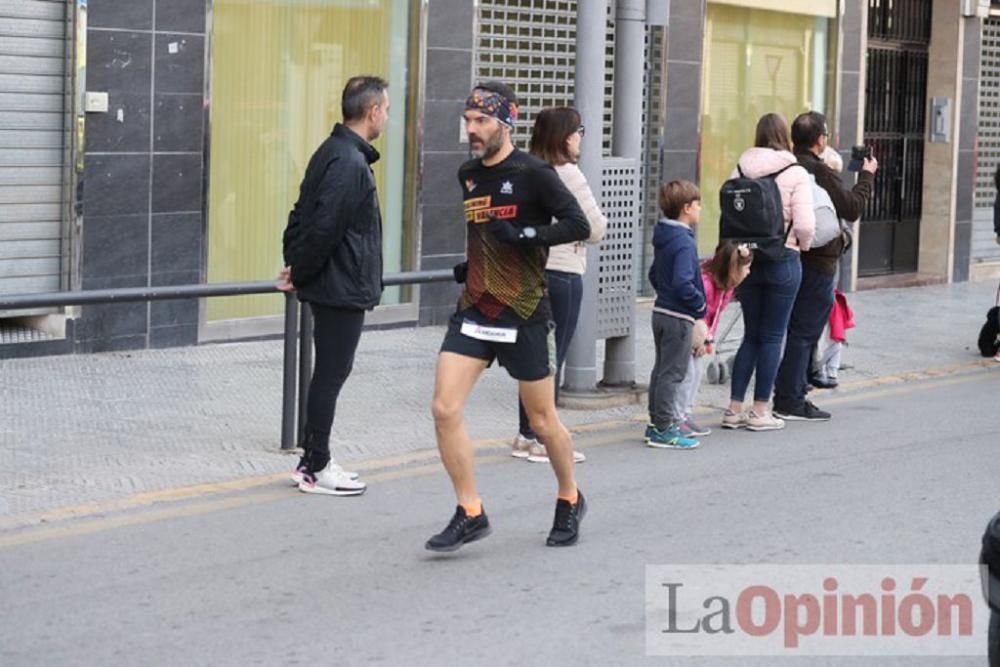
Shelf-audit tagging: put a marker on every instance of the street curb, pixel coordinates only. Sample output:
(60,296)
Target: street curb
(603,397)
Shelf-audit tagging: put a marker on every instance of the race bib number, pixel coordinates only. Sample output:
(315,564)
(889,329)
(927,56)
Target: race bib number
(494,334)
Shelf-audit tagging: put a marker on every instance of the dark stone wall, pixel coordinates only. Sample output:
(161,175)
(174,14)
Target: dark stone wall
(141,198)
(448,80)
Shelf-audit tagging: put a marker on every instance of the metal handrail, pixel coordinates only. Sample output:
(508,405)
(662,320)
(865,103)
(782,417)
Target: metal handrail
(292,341)
(127,294)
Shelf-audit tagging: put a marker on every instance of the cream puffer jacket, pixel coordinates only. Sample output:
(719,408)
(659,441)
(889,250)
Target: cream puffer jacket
(796,191)
(572,257)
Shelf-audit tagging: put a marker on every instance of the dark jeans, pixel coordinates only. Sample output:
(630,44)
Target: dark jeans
(766,298)
(672,343)
(565,294)
(810,314)
(336,332)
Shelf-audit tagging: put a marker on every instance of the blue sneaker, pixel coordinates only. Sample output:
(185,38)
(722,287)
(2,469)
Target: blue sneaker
(671,439)
(649,432)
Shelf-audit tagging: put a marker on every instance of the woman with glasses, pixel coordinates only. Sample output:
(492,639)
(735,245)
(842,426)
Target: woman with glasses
(556,139)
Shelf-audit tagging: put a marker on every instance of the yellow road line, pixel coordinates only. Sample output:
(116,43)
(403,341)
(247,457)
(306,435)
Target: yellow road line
(97,525)
(911,382)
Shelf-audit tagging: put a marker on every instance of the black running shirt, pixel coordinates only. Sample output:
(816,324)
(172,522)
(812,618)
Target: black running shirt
(506,281)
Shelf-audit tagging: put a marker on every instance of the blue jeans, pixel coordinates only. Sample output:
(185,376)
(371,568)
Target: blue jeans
(810,314)
(565,294)
(766,298)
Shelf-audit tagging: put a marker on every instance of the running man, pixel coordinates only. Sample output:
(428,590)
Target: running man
(511,199)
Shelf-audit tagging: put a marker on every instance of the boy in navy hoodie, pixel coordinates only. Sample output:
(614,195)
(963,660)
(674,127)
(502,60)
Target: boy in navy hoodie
(680,302)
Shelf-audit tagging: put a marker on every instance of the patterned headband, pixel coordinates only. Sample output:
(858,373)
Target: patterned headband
(492,104)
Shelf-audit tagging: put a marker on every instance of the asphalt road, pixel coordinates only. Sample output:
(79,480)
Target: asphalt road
(903,474)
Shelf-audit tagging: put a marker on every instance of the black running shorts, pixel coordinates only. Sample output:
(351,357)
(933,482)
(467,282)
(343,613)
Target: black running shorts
(530,358)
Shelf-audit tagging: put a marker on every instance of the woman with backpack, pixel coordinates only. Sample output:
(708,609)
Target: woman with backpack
(767,295)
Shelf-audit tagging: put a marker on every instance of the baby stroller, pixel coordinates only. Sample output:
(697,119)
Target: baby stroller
(720,365)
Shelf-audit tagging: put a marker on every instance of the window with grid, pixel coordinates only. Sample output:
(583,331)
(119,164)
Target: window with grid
(531,45)
(989,113)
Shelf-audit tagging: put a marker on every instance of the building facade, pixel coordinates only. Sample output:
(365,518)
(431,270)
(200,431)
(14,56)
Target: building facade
(146,142)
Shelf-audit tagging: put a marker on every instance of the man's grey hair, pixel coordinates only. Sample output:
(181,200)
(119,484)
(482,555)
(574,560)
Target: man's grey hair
(360,94)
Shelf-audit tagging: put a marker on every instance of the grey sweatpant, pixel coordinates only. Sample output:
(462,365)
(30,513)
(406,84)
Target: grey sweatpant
(672,338)
(688,391)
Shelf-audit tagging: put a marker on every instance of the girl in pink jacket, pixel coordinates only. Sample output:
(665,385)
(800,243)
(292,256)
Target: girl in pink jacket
(720,275)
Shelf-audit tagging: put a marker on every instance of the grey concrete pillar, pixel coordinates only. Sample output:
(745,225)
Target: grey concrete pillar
(581,359)
(630,39)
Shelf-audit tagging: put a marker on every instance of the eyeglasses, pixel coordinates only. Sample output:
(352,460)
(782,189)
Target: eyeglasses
(582,130)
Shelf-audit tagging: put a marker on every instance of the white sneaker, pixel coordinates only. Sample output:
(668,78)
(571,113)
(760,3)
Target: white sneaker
(521,446)
(767,422)
(299,473)
(332,481)
(537,454)
(734,420)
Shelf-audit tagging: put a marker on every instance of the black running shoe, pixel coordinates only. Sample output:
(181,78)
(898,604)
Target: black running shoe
(821,383)
(460,529)
(566,527)
(804,412)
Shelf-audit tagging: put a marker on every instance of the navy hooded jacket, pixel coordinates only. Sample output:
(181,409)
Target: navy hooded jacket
(676,273)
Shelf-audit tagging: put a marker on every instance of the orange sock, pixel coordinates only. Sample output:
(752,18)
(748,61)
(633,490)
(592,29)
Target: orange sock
(571,499)
(473,509)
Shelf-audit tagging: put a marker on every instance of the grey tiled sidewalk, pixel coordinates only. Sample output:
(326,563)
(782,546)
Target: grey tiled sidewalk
(92,428)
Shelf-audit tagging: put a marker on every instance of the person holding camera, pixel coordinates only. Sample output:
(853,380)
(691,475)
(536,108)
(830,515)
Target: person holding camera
(811,310)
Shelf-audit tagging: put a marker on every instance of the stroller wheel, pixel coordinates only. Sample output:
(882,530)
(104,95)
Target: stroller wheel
(714,371)
(725,372)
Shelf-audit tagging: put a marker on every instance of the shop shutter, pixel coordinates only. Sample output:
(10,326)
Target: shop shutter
(32,136)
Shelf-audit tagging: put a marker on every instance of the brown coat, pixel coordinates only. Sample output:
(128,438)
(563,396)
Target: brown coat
(849,204)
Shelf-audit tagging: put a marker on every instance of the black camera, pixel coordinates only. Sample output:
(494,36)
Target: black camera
(858,156)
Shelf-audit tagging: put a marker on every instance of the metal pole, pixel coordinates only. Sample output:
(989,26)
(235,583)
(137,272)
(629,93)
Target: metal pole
(288,385)
(305,364)
(626,141)
(581,358)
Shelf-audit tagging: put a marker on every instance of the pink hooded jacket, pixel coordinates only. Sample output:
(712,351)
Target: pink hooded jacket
(716,301)
(796,191)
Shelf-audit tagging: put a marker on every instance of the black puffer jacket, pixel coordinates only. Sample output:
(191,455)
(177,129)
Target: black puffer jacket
(333,241)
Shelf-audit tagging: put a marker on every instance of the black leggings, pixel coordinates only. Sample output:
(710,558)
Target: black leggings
(336,332)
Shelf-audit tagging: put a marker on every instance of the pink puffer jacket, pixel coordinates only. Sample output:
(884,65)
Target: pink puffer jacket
(796,191)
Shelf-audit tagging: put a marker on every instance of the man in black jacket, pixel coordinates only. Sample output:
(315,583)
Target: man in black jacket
(510,201)
(333,252)
(812,306)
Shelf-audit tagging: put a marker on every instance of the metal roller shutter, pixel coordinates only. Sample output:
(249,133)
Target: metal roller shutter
(32,135)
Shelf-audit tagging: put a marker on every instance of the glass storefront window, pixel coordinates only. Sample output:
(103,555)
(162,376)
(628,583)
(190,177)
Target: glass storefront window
(277,71)
(757,60)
